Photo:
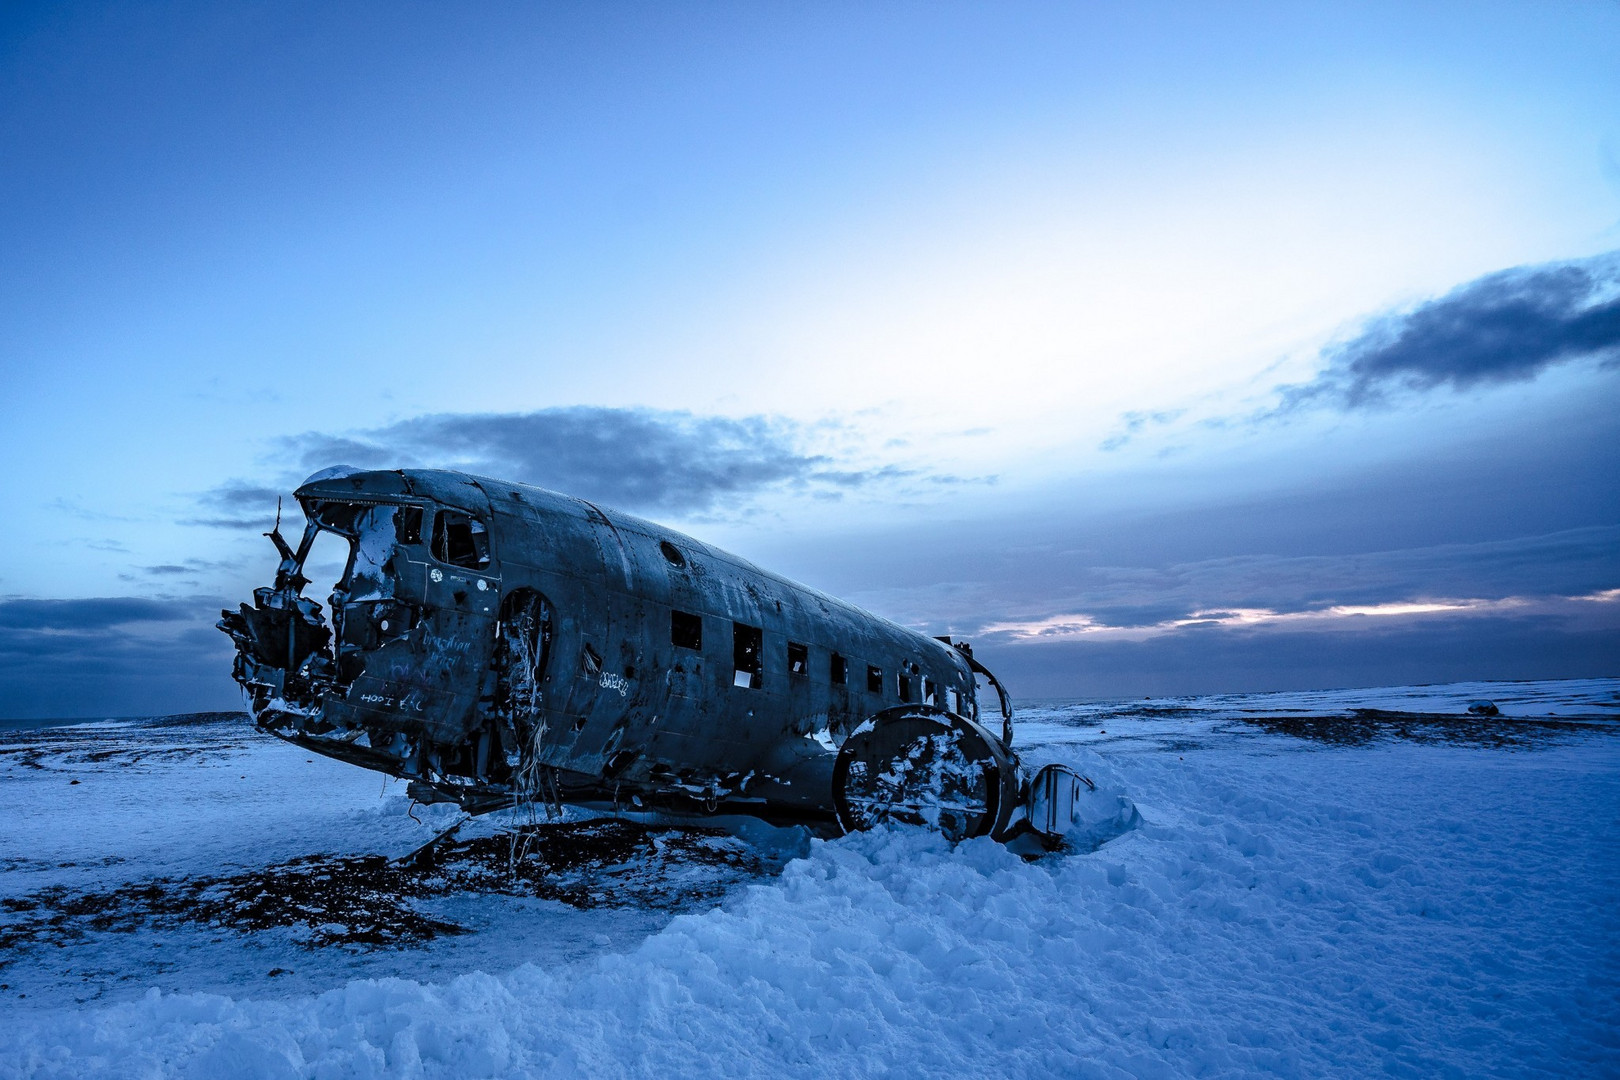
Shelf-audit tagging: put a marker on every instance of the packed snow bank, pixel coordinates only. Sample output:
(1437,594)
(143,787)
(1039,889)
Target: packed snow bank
(1402,910)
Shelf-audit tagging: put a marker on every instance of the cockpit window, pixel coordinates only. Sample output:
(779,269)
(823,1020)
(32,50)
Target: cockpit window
(408,524)
(337,517)
(369,576)
(460,540)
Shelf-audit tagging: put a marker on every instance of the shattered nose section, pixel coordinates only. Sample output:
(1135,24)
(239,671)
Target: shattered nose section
(283,654)
(283,659)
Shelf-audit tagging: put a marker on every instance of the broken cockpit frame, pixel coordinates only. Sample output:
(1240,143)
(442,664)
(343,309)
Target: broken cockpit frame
(495,643)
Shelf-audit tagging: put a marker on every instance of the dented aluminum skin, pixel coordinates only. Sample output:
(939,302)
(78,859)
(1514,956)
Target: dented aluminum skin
(496,643)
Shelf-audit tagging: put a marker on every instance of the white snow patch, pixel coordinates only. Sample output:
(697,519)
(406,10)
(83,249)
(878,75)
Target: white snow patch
(1284,909)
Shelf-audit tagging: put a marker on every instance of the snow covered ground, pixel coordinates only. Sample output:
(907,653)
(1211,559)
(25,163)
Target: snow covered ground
(1315,891)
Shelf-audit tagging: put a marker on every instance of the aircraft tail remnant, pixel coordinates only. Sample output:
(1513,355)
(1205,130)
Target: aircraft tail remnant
(496,643)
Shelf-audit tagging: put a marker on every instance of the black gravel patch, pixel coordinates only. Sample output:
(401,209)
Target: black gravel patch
(201,719)
(1362,726)
(368,901)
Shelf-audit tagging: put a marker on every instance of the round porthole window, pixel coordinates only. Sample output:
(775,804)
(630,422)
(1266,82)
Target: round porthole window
(672,553)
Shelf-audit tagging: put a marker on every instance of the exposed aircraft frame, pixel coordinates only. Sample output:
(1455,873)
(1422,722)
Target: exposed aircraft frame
(495,643)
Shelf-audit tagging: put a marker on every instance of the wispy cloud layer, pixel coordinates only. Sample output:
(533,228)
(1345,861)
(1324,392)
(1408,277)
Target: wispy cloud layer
(1336,617)
(1215,661)
(86,615)
(1505,327)
(1131,584)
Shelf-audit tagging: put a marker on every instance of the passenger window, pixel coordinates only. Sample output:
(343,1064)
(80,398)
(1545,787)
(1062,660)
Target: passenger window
(929,693)
(838,670)
(685,630)
(747,655)
(958,695)
(798,659)
(408,524)
(460,540)
(874,679)
(905,687)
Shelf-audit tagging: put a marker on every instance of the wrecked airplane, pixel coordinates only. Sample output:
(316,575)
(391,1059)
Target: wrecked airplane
(496,644)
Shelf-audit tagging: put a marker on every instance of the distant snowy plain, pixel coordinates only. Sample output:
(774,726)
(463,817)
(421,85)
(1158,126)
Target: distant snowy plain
(1342,883)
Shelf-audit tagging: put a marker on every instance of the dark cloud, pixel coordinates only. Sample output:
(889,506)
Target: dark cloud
(645,460)
(237,495)
(1506,327)
(1527,510)
(1574,562)
(317,450)
(854,478)
(190,567)
(642,459)
(91,614)
(238,504)
(76,508)
(254,524)
(112,656)
(1032,586)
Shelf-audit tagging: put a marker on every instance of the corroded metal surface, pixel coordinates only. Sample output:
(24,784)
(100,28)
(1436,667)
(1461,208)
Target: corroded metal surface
(497,643)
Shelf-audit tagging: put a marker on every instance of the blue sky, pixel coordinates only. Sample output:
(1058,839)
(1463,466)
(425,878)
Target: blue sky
(1156,348)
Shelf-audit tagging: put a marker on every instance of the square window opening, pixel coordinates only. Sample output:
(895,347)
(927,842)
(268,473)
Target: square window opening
(874,679)
(460,540)
(798,659)
(905,687)
(838,669)
(685,630)
(747,655)
(408,524)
